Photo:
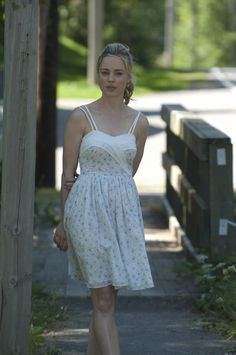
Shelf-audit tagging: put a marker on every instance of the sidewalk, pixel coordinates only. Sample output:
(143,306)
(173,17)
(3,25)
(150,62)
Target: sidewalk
(158,321)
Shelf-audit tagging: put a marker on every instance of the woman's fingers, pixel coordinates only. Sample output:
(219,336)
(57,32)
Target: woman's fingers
(70,182)
(60,239)
(64,246)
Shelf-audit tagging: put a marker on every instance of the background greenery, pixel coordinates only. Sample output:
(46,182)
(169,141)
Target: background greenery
(204,36)
(204,30)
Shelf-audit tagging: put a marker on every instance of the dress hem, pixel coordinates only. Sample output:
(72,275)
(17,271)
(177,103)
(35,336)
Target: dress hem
(117,287)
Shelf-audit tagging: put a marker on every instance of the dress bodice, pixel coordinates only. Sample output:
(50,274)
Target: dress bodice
(103,153)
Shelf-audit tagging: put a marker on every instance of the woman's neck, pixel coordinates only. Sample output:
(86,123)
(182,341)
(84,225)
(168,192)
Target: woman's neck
(112,104)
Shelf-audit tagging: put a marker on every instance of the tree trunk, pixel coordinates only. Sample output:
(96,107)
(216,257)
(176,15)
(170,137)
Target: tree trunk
(95,38)
(47,111)
(18,174)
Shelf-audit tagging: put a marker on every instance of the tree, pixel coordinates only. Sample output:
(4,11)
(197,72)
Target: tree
(205,33)
(18,175)
(139,24)
(47,112)
(95,36)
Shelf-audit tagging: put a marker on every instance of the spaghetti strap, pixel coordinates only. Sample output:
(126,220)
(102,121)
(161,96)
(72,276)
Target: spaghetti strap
(132,128)
(89,117)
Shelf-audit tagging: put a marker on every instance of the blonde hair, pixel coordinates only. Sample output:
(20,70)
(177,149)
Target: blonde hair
(122,51)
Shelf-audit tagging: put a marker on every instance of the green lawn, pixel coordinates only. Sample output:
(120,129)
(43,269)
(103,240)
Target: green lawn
(72,75)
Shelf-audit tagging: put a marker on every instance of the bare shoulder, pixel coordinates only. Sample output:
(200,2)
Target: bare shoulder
(142,126)
(76,118)
(143,122)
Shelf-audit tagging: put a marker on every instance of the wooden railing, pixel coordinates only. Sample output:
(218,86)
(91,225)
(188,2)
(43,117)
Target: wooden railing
(199,184)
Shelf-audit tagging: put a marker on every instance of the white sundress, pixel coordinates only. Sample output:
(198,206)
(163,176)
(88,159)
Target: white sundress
(103,217)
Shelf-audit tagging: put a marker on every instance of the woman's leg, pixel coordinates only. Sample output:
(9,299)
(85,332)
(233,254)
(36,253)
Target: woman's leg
(93,346)
(103,337)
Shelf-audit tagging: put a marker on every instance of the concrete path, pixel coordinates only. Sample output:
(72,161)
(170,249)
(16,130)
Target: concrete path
(157,321)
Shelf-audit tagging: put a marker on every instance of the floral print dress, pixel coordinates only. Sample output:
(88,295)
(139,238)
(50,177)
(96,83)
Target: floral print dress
(103,217)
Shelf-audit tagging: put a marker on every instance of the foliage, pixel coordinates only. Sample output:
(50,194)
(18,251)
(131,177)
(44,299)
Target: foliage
(46,208)
(204,30)
(46,310)
(142,25)
(73,20)
(217,282)
(72,59)
(205,33)
(141,22)
(36,338)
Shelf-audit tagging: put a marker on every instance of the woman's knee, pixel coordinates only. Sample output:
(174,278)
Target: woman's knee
(103,299)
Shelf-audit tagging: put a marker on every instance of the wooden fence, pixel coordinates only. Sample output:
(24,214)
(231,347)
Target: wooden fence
(199,184)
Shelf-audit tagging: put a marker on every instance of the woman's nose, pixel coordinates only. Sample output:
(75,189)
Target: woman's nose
(111,77)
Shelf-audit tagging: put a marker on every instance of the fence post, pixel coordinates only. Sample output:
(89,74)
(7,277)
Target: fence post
(198,163)
(221,197)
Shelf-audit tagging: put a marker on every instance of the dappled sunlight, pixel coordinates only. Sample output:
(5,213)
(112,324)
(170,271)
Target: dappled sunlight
(68,332)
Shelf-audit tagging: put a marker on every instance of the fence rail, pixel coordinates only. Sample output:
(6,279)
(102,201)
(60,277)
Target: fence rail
(199,184)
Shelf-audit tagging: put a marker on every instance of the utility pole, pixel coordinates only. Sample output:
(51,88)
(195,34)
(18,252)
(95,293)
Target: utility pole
(95,41)
(169,32)
(18,174)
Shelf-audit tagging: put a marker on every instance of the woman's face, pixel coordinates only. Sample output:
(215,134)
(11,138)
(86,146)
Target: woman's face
(113,76)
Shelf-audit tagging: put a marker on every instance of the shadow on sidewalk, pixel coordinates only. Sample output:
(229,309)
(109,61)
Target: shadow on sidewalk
(159,321)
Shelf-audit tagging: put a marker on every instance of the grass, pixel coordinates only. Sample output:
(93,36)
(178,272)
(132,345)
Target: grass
(46,311)
(47,207)
(72,75)
(217,283)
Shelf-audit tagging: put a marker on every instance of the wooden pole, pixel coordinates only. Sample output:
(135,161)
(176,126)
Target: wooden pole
(95,42)
(18,175)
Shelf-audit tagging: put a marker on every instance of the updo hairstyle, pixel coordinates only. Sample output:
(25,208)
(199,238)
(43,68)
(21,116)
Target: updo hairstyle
(122,51)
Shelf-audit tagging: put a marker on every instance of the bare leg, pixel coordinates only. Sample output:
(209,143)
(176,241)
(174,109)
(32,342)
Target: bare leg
(93,346)
(103,338)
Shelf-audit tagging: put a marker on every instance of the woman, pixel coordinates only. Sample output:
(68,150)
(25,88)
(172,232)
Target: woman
(101,222)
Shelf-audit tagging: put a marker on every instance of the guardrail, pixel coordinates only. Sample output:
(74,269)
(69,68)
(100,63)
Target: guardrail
(199,184)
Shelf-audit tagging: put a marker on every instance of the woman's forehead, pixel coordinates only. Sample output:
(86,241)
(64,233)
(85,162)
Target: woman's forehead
(113,61)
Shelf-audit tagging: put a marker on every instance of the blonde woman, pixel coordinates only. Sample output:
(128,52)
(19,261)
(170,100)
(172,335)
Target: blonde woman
(101,223)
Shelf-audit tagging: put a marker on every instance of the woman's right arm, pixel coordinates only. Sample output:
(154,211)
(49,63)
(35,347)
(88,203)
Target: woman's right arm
(73,134)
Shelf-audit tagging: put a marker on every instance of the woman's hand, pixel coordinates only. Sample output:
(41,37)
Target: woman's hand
(60,238)
(70,182)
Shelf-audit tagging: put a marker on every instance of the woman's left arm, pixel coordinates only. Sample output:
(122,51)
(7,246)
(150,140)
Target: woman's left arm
(141,137)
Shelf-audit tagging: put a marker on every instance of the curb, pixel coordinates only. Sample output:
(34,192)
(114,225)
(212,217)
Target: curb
(163,206)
